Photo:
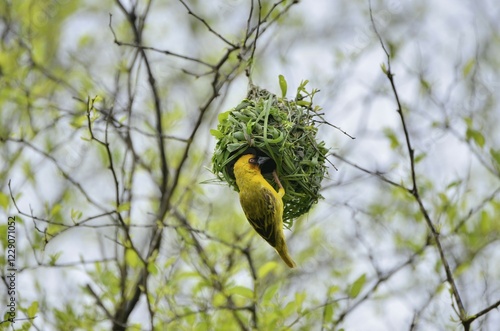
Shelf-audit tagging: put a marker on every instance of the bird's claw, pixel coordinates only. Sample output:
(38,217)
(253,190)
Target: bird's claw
(276,179)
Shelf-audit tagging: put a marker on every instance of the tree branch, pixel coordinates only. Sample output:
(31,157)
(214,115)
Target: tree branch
(415,192)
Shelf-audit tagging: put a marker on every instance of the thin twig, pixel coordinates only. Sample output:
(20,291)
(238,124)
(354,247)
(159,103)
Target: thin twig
(190,12)
(250,64)
(334,126)
(99,302)
(154,49)
(482,312)
(382,278)
(415,192)
(64,173)
(476,209)
(370,172)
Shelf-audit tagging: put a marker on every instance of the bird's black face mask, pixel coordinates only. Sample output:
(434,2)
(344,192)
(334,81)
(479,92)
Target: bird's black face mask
(267,165)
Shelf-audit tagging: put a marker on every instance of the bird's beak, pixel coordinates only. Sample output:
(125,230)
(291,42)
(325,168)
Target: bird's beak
(262,159)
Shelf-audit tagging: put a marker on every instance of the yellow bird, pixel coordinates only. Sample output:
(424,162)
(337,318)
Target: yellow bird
(262,205)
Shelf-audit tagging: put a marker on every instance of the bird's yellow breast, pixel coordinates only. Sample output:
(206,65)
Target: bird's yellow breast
(253,186)
(258,197)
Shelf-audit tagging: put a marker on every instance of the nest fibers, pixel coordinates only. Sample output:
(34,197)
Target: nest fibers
(284,130)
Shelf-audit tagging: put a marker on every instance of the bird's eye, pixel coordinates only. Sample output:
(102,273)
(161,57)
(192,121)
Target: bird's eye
(252,160)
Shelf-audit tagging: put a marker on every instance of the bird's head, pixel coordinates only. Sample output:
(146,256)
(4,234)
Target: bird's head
(251,162)
(267,166)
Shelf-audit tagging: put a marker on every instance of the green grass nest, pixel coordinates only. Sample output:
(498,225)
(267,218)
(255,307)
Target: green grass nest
(282,129)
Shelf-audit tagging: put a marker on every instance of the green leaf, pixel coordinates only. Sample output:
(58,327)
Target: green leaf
(300,297)
(267,268)
(484,225)
(468,122)
(223,116)
(216,133)
(333,289)
(134,327)
(495,154)
(461,269)
(476,136)
(328,314)
(393,48)
(7,318)
(219,300)
(426,86)
(393,139)
(357,286)
(469,65)
(234,147)
(170,261)
(4,200)
(3,243)
(289,308)
(54,258)
(304,103)
(270,292)
(420,157)
(453,184)
(28,172)
(123,207)
(33,309)
(56,209)
(384,68)
(302,86)
(132,258)
(79,121)
(152,268)
(283,85)
(243,291)
(75,214)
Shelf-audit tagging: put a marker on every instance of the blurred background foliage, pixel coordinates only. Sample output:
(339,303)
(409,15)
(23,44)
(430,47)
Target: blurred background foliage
(105,113)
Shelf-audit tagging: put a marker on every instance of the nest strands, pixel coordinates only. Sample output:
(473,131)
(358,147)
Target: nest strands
(283,130)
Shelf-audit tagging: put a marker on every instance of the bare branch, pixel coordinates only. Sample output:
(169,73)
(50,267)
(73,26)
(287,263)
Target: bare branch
(414,191)
(154,49)
(190,12)
(486,310)
(370,172)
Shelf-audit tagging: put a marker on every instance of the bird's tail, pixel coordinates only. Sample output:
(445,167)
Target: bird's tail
(285,256)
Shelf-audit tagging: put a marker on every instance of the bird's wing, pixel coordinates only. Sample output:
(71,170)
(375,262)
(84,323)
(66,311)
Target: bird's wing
(262,218)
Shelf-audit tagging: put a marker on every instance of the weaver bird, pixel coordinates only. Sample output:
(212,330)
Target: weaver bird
(262,205)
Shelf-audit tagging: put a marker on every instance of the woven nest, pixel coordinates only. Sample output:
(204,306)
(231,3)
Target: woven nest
(284,130)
